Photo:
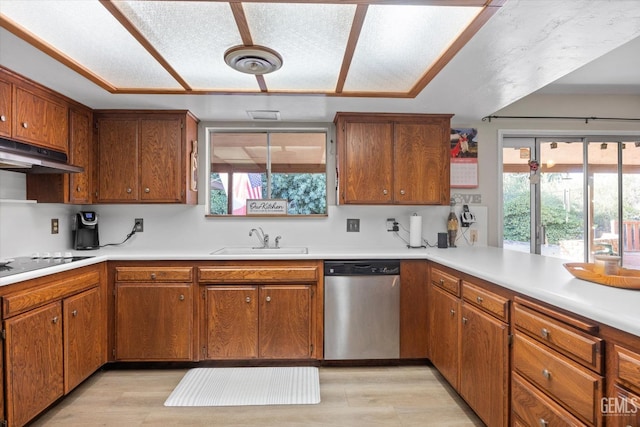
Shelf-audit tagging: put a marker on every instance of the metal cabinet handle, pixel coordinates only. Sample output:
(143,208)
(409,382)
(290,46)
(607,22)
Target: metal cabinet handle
(546,374)
(442,281)
(248,299)
(545,333)
(74,313)
(464,320)
(453,312)
(402,192)
(3,118)
(25,125)
(479,300)
(55,319)
(153,276)
(129,190)
(385,192)
(78,188)
(181,297)
(147,190)
(543,422)
(268,299)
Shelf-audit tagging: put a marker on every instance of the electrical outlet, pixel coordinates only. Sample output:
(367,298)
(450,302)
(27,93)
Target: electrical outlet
(353,225)
(390,224)
(473,235)
(54,226)
(139,225)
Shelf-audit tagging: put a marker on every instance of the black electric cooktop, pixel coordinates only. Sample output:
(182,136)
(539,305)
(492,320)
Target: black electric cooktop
(24,264)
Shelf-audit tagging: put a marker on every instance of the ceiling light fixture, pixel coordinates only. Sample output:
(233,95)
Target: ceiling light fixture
(253,59)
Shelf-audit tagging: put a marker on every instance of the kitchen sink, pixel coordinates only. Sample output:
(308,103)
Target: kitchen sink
(242,250)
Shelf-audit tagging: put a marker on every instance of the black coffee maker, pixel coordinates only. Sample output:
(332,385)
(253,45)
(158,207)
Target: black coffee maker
(85,231)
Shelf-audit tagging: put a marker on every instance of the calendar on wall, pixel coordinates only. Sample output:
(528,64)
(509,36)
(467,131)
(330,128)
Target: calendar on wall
(464,158)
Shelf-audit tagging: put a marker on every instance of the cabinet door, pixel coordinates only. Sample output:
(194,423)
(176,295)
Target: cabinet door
(80,149)
(285,322)
(368,150)
(414,311)
(484,365)
(117,160)
(41,121)
(34,362)
(5,108)
(421,163)
(444,326)
(154,321)
(161,160)
(232,322)
(84,337)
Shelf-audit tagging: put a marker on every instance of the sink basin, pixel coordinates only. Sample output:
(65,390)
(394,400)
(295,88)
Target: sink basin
(245,250)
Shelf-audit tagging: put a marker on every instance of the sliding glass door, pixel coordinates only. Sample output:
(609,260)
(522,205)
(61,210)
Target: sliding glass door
(572,198)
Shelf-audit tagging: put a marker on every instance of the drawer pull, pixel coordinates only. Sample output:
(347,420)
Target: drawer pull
(3,118)
(464,320)
(55,319)
(545,333)
(546,373)
(248,299)
(385,192)
(442,282)
(268,299)
(543,422)
(153,276)
(453,312)
(181,297)
(479,300)
(25,125)
(129,190)
(74,313)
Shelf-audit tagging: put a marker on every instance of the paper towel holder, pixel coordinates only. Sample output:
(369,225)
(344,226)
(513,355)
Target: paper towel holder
(418,231)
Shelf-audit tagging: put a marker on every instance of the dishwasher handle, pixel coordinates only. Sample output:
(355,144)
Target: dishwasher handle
(362,268)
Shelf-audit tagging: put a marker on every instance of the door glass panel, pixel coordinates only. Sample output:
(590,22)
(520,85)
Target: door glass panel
(630,249)
(516,209)
(561,200)
(603,198)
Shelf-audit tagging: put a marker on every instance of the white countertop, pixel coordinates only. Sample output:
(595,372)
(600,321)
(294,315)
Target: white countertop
(539,277)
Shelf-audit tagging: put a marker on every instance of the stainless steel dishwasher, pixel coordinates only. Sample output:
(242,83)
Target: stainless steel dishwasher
(361,309)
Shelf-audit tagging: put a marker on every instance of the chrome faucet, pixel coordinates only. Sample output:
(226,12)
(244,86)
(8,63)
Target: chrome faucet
(263,238)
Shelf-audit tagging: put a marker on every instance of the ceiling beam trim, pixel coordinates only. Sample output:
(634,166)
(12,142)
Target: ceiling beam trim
(245,34)
(133,30)
(354,35)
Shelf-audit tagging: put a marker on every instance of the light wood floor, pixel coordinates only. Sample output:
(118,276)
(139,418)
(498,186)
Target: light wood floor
(373,396)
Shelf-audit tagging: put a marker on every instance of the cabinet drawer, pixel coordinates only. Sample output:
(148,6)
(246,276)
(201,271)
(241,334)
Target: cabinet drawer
(154,274)
(257,274)
(445,281)
(487,301)
(579,346)
(627,367)
(575,387)
(623,410)
(535,408)
(22,301)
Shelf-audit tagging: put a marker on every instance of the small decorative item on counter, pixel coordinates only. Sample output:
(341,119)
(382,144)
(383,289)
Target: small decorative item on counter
(452,225)
(607,264)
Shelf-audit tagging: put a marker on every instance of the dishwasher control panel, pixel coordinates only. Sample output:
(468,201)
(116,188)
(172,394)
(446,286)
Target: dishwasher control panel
(362,268)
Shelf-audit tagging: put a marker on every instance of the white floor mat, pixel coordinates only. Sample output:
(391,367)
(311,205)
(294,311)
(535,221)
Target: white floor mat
(247,386)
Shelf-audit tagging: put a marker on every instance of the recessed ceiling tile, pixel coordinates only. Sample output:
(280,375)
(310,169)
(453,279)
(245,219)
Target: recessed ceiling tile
(86,32)
(398,43)
(311,38)
(192,37)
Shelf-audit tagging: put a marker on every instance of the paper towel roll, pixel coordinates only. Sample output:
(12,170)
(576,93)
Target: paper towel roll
(415,231)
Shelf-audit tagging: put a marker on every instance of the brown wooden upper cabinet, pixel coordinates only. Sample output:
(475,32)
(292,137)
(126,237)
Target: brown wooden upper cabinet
(32,114)
(145,156)
(393,158)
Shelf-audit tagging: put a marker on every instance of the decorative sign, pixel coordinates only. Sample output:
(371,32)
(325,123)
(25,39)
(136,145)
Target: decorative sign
(464,158)
(266,207)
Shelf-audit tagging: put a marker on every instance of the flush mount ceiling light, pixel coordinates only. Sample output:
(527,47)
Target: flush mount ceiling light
(253,59)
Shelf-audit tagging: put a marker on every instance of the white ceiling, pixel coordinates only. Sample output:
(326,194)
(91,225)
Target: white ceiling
(549,46)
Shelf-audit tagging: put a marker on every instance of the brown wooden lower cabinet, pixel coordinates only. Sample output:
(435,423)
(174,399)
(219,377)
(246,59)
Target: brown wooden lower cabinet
(267,322)
(34,362)
(154,321)
(444,324)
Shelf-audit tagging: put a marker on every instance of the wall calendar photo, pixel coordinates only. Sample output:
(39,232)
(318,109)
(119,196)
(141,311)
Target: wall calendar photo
(464,158)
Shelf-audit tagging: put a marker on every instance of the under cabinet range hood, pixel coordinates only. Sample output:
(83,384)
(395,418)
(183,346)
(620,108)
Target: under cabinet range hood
(18,157)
